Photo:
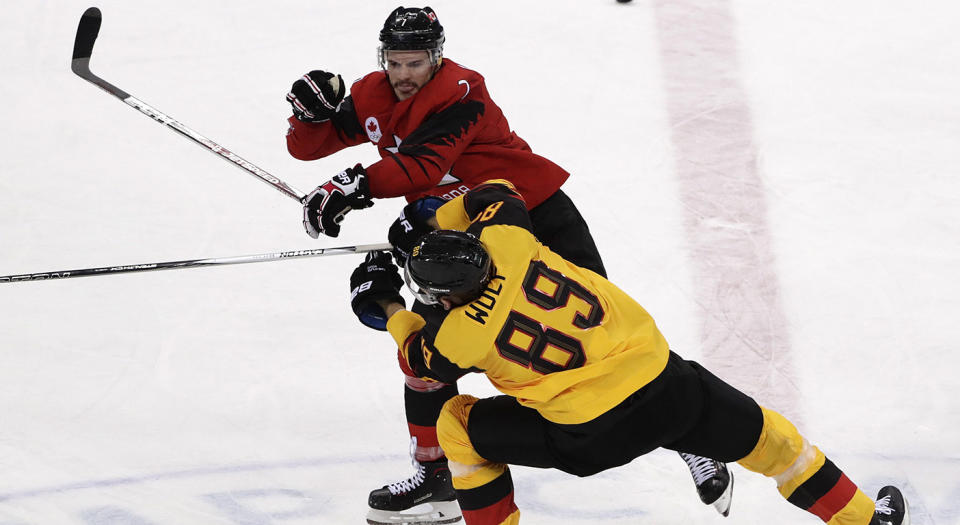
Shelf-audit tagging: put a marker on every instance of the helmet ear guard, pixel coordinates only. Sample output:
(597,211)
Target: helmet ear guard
(448,263)
(412,29)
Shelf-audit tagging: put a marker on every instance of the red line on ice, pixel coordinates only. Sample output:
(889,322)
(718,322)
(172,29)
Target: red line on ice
(744,333)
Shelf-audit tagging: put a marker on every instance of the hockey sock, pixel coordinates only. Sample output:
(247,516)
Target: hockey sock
(490,503)
(805,477)
(832,497)
(484,489)
(423,408)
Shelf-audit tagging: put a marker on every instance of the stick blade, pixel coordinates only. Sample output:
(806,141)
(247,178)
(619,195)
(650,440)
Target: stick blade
(87,31)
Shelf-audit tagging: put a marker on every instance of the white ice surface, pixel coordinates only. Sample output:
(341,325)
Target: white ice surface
(250,394)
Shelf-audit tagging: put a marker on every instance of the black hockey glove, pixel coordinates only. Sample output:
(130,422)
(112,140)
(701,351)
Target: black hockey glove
(316,96)
(411,225)
(325,207)
(376,278)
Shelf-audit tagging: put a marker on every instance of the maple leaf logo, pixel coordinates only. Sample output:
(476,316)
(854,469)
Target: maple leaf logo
(373,129)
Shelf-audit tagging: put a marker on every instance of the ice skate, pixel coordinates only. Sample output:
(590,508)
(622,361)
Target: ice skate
(891,508)
(426,498)
(714,482)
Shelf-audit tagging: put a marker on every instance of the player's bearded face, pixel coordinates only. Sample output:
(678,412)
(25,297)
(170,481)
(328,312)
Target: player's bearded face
(408,71)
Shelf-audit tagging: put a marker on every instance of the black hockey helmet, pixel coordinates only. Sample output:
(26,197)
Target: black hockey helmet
(412,29)
(448,263)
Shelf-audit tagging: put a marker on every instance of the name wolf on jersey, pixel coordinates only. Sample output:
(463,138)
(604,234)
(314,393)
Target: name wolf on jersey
(486,301)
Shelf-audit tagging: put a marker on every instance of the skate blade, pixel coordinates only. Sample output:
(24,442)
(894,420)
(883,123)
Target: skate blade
(725,500)
(433,513)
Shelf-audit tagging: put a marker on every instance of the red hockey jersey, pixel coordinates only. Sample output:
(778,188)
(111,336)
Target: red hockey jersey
(447,138)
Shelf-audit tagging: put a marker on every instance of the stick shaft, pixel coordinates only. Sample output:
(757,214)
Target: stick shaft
(194,263)
(87,31)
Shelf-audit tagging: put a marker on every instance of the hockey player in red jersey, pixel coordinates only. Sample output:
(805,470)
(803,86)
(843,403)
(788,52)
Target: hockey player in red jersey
(439,134)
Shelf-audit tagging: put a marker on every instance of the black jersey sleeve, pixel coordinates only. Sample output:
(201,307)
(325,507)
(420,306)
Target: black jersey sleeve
(419,356)
(494,203)
(425,360)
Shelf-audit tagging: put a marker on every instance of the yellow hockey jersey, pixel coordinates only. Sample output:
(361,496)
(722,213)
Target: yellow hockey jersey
(561,339)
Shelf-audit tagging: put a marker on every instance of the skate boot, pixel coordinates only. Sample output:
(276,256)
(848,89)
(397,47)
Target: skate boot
(714,482)
(891,508)
(426,498)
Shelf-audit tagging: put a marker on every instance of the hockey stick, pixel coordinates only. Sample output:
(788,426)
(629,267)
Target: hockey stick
(87,32)
(194,263)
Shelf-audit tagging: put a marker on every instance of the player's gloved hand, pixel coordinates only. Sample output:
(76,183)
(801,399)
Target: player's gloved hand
(316,96)
(325,207)
(375,279)
(411,225)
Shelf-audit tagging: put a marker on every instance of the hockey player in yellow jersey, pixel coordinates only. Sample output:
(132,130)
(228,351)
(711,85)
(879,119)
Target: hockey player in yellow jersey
(589,381)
